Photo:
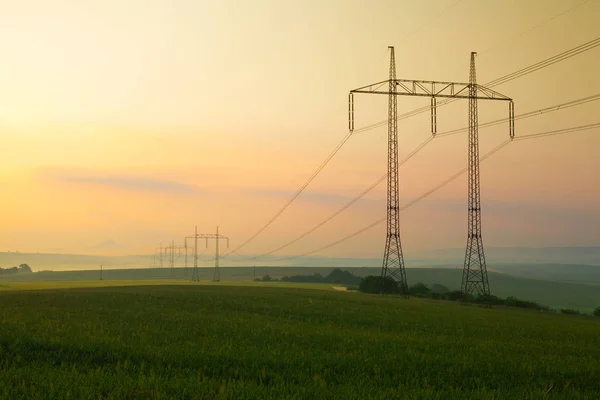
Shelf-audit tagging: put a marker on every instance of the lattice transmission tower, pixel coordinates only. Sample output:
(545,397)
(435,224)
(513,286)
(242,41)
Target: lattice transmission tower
(172,252)
(217,237)
(393,258)
(475,277)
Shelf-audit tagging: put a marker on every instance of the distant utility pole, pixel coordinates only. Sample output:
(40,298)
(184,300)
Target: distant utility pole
(171,251)
(254,272)
(160,255)
(393,259)
(100,271)
(217,237)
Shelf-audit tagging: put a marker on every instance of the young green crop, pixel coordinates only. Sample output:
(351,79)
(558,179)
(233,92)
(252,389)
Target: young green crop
(187,341)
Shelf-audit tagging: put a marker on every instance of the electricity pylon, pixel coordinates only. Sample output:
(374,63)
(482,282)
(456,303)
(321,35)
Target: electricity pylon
(159,254)
(170,252)
(207,236)
(393,259)
(475,278)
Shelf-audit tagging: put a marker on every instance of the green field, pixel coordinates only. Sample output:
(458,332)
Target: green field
(243,342)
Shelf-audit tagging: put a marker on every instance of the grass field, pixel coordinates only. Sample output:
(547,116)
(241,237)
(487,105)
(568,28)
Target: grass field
(242,342)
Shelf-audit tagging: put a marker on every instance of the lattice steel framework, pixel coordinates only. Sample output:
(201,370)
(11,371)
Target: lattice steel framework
(217,237)
(393,258)
(475,277)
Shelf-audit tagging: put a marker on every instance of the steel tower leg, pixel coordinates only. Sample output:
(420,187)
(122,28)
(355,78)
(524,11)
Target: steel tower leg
(474,279)
(393,259)
(217,274)
(195,272)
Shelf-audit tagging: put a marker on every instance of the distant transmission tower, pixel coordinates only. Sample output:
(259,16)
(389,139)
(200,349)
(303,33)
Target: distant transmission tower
(393,260)
(160,254)
(171,251)
(217,237)
(195,272)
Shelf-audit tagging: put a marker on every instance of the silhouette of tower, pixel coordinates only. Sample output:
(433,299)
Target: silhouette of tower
(475,278)
(475,274)
(393,259)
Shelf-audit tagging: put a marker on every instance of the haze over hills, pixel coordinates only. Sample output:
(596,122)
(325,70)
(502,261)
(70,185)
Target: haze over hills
(584,297)
(577,264)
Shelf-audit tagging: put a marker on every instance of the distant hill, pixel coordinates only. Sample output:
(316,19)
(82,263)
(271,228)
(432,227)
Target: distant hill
(529,255)
(567,264)
(554,294)
(61,262)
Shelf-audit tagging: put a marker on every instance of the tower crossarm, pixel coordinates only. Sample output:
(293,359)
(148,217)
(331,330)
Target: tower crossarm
(433,90)
(206,236)
(451,90)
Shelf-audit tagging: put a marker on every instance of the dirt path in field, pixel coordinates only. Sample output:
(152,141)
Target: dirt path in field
(341,288)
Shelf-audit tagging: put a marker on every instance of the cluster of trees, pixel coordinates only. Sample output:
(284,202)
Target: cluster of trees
(15,270)
(571,311)
(336,276)
(266,278)
(373,284)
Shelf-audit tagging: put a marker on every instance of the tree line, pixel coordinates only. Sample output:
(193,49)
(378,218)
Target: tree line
(23,268)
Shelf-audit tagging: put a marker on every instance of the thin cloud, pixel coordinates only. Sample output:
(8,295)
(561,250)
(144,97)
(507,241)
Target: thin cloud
(129,182)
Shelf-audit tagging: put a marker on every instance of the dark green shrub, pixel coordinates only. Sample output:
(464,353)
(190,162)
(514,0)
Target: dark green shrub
(569,311)
(420,290)
(373,284)
(454,295)
(438,288)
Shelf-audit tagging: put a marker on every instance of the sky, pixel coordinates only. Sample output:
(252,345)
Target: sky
(124,124)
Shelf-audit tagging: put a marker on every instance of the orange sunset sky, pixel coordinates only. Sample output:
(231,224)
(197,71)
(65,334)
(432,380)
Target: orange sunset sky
(132,121)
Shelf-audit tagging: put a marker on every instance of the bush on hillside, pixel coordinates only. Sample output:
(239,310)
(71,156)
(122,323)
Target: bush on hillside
(420,290)
(489,299)
(344,277)
(569,311)
(336,276)
(597,312)
(514,302)
(266,278)
(314,278)
(373,284)
(439,289)
(454,295)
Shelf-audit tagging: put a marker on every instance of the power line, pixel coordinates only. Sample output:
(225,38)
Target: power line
(411,203)
(430,20)
(517,74)
(346,206)
(298,192)
(559,131)
(444,183)
(547,62)
(529,114)
(545,110)
(532,28)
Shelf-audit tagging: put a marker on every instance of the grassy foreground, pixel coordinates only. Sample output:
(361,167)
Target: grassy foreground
(155,342)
